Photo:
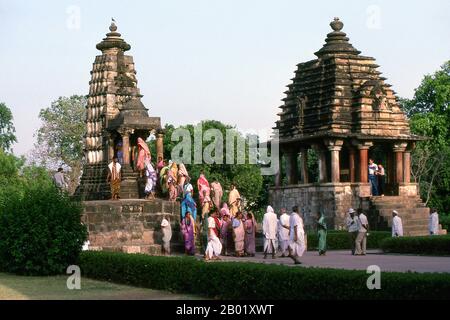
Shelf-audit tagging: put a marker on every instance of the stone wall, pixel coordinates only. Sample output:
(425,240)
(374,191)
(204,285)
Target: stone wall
(334,199)
(131,226)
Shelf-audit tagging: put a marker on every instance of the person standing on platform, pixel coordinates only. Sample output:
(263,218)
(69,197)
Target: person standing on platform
(381,180)
(361,239)
(397,226)
(373,170)
(234,200)
(114,178)
(216,193)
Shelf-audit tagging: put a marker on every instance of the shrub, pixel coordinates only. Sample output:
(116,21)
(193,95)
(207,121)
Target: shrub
(40,231)
(340,240)
(444,220)
(239,280)
(427,245)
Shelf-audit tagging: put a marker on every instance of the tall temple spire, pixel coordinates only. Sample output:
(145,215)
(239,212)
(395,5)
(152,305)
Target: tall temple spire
(113,40)
(337,41)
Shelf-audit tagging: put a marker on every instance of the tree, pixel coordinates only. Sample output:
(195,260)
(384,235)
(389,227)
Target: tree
(7,130)
(246,176)
(429,113)
(60,138)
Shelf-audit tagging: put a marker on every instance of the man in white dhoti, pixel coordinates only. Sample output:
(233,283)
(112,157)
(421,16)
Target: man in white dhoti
(283,233)
(270,226)
(214,247)
(433,223)
(361,239)
(297,236)
(166,229)
(397,226)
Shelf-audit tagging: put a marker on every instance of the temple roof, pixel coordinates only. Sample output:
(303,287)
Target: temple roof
(341,93)
(113,40)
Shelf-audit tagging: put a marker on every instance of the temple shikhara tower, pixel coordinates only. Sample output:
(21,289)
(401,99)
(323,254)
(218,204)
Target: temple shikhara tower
(340,106)
(115,118)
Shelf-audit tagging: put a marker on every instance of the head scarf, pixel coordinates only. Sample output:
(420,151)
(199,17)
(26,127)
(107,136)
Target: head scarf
(269,209)
(143,155)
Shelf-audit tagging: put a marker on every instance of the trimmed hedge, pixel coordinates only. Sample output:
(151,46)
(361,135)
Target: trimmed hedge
(445,222)
(239,280)
(426,245)
(340,240)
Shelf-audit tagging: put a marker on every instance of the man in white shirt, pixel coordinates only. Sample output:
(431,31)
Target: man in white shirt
(433,224)
(397,226)
(270,226)
(166,229)
(297,236)
(283,233)
(361,239)
(373,171)
(353,226)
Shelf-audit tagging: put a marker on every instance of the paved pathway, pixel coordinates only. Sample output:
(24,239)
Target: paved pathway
(344,260)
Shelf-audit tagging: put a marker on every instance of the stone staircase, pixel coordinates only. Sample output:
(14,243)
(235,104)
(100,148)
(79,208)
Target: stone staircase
(411,209)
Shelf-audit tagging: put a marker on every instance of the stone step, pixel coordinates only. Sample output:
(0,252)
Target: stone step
(405,212)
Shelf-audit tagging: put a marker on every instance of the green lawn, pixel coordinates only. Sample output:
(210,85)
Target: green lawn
(13,287)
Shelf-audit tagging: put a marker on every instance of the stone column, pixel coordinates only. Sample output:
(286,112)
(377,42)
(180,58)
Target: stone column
(278,179)
(322,162)
(110,148)
(351,160)
(291,167)
(364,161)
(335,146)
(159,144)
(126,146)
(304,165)
(407,167)
(398,149)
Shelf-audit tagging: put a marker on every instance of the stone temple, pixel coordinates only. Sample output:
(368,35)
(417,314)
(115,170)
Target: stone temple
(115,118)
(340,106)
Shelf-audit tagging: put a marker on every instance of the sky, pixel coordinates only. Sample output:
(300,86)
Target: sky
(206,59)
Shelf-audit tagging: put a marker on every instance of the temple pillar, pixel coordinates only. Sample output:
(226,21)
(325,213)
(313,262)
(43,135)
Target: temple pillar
(322,162)
(335,146)
(126,147)
(278,179)
(398,149)
(364,161)
(159,145)
(110,148)
(351,160)
(407,167)
(291,167)
(304,165)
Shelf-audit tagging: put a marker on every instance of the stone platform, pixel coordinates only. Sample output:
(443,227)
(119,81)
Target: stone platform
(130,225)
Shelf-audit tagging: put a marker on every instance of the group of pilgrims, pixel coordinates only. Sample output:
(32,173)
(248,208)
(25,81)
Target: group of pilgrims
(224,228)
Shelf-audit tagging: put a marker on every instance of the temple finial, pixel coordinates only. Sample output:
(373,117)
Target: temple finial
(113,27)
(336,24)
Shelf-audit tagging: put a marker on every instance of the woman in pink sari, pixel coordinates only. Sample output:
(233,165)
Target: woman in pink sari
(250,232)
(239,234)
(182,177)
(143,154)
(203,187)
(224,211)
